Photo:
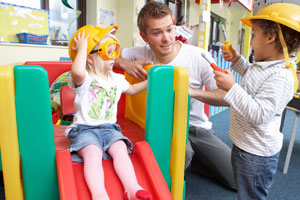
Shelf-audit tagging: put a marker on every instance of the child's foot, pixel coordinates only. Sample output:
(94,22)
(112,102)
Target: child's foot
(143,195)
(139,195)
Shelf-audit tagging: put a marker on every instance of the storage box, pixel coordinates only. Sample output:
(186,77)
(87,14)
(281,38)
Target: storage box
(30,38)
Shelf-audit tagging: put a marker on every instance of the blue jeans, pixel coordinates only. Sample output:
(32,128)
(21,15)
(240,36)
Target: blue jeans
(253,174)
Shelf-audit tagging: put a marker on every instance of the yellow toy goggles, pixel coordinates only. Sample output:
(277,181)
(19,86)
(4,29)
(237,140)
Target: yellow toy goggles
(108,50)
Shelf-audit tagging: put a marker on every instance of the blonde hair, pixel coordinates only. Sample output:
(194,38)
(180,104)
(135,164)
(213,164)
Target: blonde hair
(97,68)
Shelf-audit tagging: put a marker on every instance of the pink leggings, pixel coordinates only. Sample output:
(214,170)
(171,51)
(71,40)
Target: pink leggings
(93,170)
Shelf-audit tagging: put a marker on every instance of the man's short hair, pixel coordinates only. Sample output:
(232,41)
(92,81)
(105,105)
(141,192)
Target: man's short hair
(152,9)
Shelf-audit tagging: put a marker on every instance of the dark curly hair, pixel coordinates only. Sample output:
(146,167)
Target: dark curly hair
(291,37)
(152,9)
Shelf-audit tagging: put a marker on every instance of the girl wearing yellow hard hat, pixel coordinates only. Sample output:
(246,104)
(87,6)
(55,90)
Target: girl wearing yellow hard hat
(258,101)
(94,134)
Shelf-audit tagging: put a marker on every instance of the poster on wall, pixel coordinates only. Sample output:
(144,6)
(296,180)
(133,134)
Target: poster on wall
(248,4)
(23,21)
(106,17)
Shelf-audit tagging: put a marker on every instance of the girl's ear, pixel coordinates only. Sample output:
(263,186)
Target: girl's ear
(90,59)
(271,37)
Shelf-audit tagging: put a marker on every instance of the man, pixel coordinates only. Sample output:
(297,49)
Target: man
(211,157)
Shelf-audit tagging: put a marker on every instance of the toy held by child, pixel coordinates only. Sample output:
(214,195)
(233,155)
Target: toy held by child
(258,102)
(94,134)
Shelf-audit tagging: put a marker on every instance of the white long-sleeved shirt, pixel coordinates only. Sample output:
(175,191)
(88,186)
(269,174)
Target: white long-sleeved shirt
(257,105)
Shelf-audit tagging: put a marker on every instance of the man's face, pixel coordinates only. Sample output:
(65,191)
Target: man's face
(160,34)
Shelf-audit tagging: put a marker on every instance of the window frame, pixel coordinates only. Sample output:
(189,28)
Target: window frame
(178,7)
(81,21)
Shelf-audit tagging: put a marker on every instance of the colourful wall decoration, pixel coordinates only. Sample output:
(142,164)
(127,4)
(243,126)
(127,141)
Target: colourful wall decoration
(19,19)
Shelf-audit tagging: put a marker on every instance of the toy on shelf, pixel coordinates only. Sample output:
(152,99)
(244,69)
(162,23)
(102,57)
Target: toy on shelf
(29,38)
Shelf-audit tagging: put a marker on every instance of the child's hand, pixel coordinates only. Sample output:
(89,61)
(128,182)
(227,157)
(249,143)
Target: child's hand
(80,42)
(224,81)
(233,57)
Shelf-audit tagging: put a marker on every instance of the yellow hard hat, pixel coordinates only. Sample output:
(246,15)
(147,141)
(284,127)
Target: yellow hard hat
(283,13)
(96,34)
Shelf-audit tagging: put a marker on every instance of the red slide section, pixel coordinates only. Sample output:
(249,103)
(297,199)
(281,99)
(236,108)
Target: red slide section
(72,185)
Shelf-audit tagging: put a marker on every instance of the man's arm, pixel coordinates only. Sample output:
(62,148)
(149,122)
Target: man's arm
(213,97)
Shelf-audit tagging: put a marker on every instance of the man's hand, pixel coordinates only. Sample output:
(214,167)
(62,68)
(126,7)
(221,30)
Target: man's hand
(224,81)
(134,68)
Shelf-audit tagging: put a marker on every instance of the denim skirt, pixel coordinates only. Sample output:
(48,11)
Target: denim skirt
(103,136)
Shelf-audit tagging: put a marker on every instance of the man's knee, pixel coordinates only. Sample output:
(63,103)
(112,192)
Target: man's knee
(189,153)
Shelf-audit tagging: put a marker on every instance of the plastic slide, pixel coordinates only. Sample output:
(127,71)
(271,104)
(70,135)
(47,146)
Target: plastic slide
(42,146)
(72,185)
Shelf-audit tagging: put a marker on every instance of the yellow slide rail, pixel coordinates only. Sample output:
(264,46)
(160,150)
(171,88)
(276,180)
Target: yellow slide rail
(9,137)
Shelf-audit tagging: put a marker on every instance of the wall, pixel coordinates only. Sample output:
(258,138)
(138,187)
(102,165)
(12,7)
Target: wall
(236,26)
(125,17)
(232,16)
(125,22)
(126,12)
(193,13)
(137,39)
(128,34)
(91,12)
(19,53)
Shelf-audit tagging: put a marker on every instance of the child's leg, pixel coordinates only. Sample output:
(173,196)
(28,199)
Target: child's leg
(93,171)
(253,174)
(125,171)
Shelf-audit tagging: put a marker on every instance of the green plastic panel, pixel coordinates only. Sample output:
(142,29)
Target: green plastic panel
(35,133)
(159,116)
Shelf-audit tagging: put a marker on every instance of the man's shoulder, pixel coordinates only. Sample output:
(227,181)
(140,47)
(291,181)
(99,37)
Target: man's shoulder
(137,52)
(192,47)
(192,50)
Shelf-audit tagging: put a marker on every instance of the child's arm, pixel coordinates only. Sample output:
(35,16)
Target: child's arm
(239,64)
(137,88)
(79,64)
